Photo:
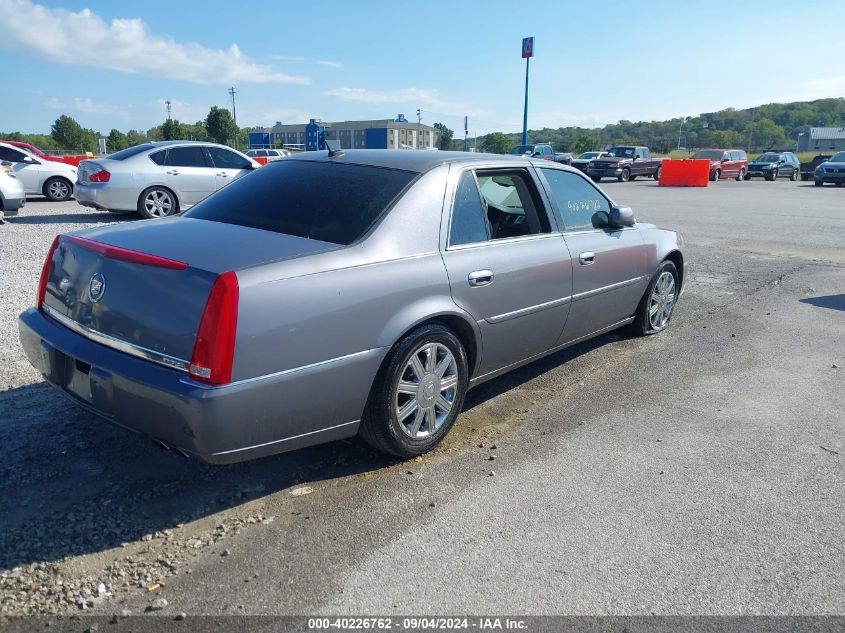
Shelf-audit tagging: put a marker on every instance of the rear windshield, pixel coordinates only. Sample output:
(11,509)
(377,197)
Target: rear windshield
(838,158)
(709,154)
(130,151)
(330,202)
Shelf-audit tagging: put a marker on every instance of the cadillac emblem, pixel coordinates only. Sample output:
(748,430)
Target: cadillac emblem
(96,288)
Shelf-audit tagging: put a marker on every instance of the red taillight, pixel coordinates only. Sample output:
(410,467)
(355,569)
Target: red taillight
(126,255)
(45,274)
(214,348)
(100,176)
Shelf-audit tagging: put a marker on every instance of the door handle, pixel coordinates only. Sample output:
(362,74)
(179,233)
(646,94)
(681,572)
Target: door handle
(172,172)
(587,258)
(223,174)
(480,278)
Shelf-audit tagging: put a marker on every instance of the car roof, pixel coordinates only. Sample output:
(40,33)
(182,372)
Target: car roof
(407,160)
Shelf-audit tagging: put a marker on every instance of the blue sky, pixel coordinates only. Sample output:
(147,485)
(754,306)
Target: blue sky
(112,64)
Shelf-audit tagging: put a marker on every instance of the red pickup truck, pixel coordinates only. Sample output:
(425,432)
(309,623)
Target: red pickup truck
(625,163)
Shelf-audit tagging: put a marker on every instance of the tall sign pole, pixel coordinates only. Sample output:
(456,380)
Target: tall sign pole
(527,54)
(466,132)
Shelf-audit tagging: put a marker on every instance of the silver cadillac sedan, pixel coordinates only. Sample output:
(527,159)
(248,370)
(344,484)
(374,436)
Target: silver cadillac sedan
(329,295)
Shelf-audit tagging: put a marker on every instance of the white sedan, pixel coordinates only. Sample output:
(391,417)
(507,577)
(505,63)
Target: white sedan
(40,177)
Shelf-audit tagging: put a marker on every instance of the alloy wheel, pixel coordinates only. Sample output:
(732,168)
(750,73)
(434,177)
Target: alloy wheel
(58,189)
(662,301)
(158,203)
(426,389)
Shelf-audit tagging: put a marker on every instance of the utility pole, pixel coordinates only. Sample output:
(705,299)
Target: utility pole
(419,121)
(527,54)
(680,130)
(167,105)
(232,92)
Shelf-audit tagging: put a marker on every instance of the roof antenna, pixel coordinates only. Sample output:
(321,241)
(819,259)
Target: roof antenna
(333,151)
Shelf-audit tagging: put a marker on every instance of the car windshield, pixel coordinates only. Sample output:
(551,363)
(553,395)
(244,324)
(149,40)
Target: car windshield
(839,157)
(587,155)
(130,151)
(709,154)
(522,149)
(329,202)
(621,152)
(767,158)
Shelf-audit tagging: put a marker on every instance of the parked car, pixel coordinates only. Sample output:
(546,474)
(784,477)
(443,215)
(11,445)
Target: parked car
(34,151)
(39,177)
(159,179)
(12,194)
(542,151)
(270,154)
(774,165)
(583,161)
(832,170)
(295,306)
(725,163)
(564,158)
(625,163)
(808,169)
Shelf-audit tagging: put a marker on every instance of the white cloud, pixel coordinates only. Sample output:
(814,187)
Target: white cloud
(56,104)
(82,104)
(125,45)
(290,58)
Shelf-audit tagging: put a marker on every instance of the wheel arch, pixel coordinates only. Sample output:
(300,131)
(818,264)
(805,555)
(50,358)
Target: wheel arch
(56,177)
(677,258)
(160,186)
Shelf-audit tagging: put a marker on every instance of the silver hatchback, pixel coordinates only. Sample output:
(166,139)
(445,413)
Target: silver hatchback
(160,178)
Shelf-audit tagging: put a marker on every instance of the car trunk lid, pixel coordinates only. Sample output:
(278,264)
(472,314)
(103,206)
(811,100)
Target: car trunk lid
(141,287)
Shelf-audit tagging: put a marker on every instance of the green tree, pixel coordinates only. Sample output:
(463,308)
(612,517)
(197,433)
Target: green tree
(220,126)
(584,143)
(116,141)
(445,136)
(135,137)
(171,130)
(496,143)
(67,133)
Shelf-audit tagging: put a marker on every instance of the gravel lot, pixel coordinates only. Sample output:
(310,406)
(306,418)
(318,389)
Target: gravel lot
(697,472)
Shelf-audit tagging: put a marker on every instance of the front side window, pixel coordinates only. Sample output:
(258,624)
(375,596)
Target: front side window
(469,219)
(12,155)
(513,208)
(190,156)
(227,159)
(579,203)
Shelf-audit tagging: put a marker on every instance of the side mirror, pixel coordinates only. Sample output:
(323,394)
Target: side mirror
(725,159)
(30,160)
(621,216)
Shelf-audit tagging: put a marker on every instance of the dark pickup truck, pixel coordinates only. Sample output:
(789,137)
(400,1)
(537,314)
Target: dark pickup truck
(625,163)
(809,168)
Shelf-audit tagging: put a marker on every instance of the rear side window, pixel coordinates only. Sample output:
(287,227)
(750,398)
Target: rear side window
(468,214)
(329,202)
(227,159)
(578,201)
(190,156)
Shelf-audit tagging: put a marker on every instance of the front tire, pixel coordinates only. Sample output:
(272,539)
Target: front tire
(716,175)
(793,176)
(417,394)
(58,189)
(157,202)
(624,176)
(658,303)
(818,183)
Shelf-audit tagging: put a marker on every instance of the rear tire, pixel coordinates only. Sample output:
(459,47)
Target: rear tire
(596,178)
(658,303)
(741,175)
(417,394)
(157,202)
(58,189)
(656,174)
(819,183)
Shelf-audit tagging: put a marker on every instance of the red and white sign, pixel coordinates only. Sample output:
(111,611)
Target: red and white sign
(527,47)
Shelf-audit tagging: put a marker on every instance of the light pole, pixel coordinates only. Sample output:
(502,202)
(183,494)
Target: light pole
(680,131)
(527,54)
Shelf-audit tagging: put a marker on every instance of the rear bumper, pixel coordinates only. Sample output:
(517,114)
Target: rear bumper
(12,205)
(226,424)
(103,195)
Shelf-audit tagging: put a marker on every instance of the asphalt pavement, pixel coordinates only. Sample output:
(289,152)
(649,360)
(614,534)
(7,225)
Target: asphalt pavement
(696,472)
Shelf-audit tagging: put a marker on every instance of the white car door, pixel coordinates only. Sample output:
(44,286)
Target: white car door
(28,173)
(228,165)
